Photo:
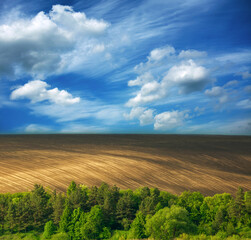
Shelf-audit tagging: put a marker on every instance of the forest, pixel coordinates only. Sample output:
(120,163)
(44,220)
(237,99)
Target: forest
(107,212)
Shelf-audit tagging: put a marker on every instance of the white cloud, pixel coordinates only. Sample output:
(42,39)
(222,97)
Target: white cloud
(164,76)
(81,128)
(169,120)
(164,73)
(231,83)
(233,127)
(244,104)
(76,23)
(135,112)
(241,57)
(146,117)
(214,92)
(39,46)
(93,111)
(98,48)
(192,54)
(188,76)
(159,53)
(220,94)
(36,128)
(109,114)
(142,79)
(37,91)
(149,92)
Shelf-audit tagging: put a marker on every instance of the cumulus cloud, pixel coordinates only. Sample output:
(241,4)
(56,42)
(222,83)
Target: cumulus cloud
(188,76)
(134,113)
(149,92)
(144,115)
(214,92)
(36,91)
(39,46)
(169,120)
(165,75)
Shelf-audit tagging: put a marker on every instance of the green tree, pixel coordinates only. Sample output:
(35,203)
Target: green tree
(24,213)
(77,196)
(93,196)
(40,206)
(65,219)
(142,193)
(218,223)
(11,217)
(4,202)
(109,208)
(93,226)
(49,229)
(137,230)
(240,204)
(148,205)
(74,224)
(168,223)
(58,203)
(126,207)
(192,202)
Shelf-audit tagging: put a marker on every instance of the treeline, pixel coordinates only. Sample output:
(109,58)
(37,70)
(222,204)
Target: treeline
(106,212)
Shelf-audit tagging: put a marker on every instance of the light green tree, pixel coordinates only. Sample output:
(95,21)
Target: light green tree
(49,229)
(168,223)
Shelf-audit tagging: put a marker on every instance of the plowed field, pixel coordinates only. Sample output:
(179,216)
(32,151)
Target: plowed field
(209,164)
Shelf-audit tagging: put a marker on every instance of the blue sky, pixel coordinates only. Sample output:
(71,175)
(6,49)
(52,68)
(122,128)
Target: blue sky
(153,66)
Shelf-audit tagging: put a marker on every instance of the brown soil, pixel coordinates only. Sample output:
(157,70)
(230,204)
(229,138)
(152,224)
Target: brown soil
(175,163)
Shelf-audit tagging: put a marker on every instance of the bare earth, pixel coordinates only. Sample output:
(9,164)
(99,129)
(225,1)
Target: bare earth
(175,163)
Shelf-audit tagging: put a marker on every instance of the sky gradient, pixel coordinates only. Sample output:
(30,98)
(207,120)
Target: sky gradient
(154,66)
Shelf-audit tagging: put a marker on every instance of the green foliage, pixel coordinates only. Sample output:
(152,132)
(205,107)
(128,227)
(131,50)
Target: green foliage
(76,196)
(21,236)
(93,225)
(49,229)
(168,223)
(40,206)
(58,203)
(65,219)
(106,212)
(105,234)
(60,236)
(137,230)
(119,235)
(126,207)
(192,202)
